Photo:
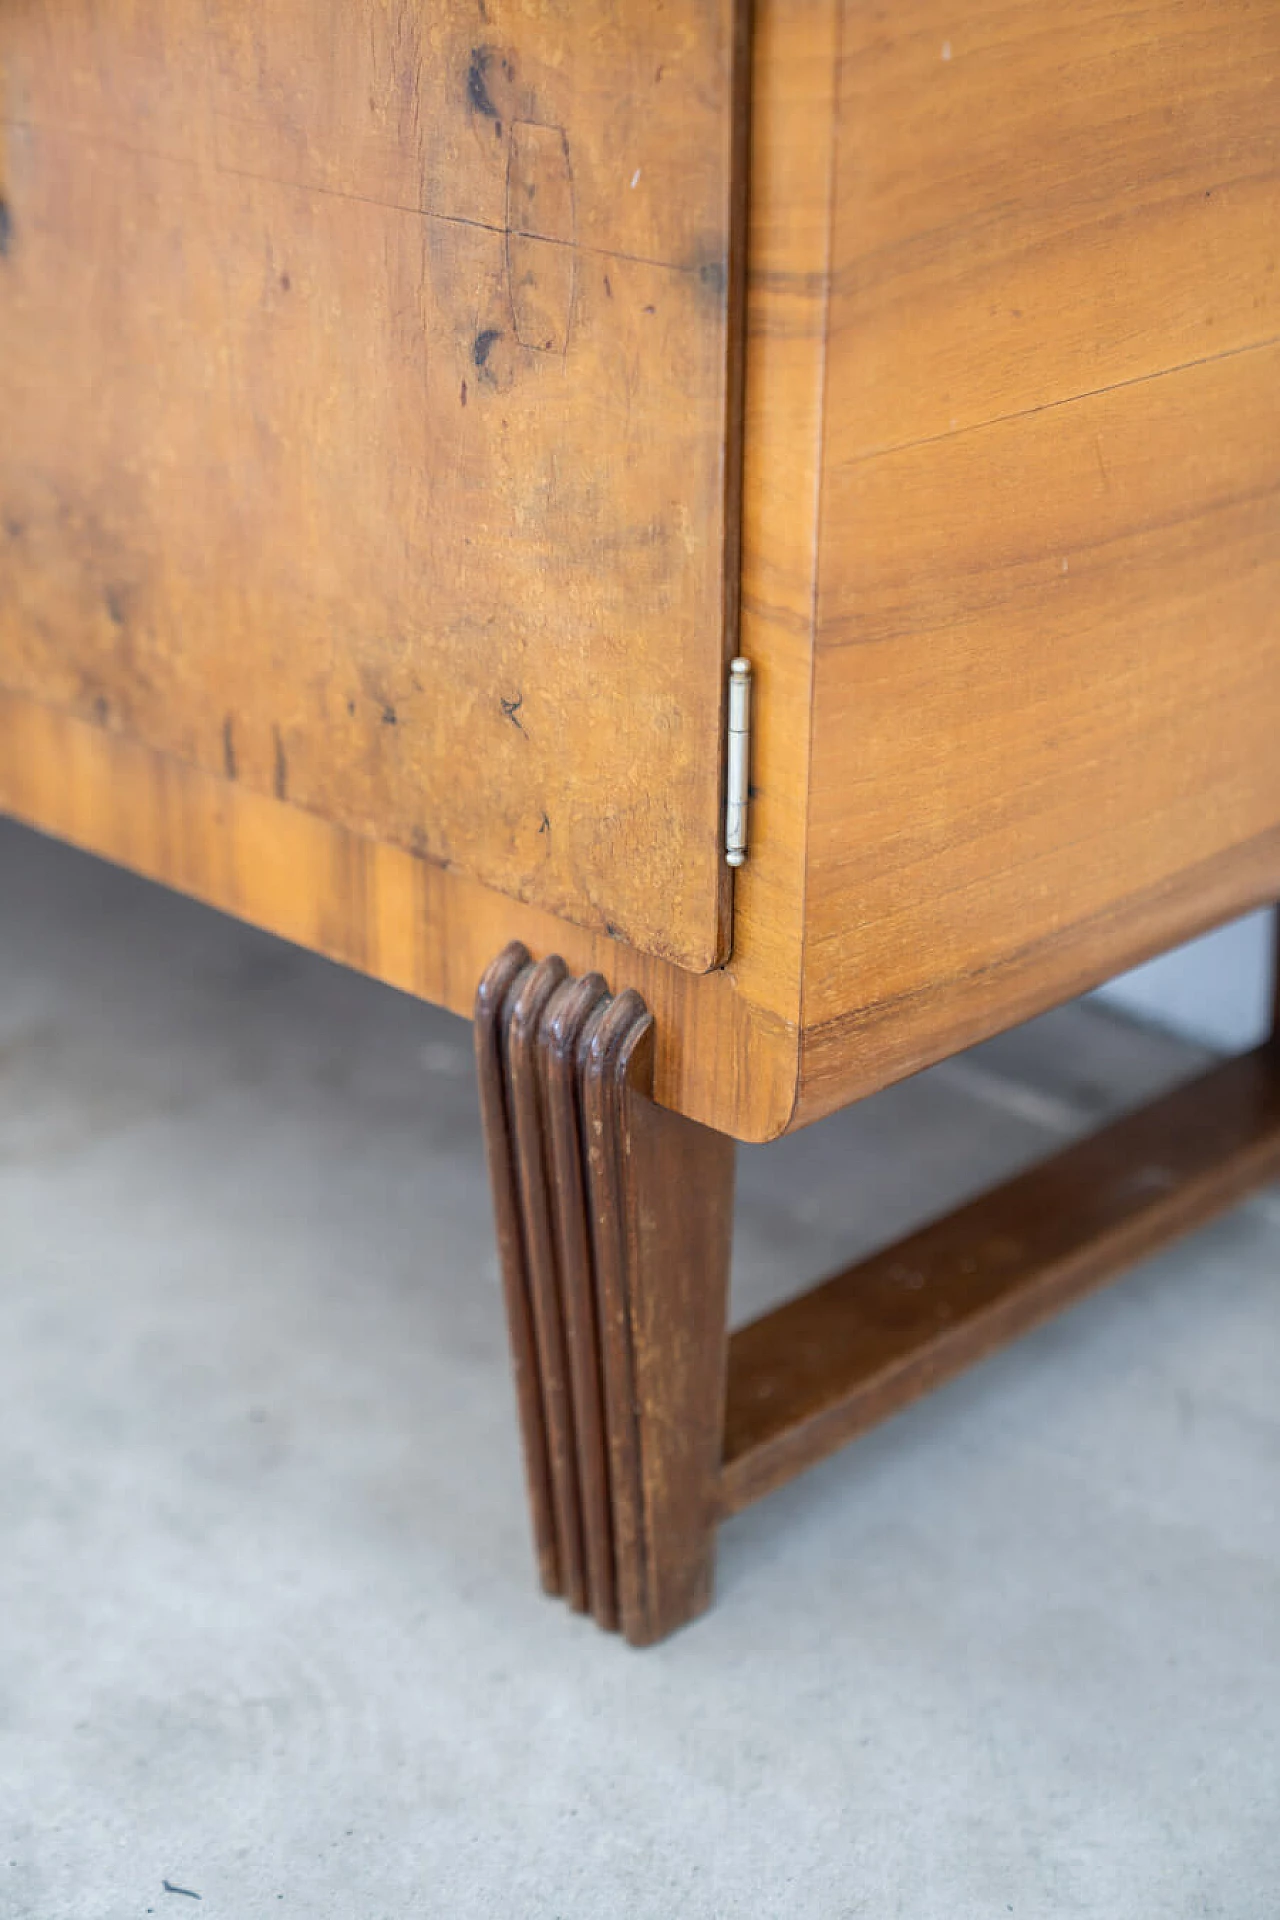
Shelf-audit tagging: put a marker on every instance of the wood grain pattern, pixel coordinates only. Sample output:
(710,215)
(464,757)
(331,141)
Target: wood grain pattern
(721,1057)
(661,1196)
(1047,657)
(568,1031)
(727,1043)
(1040,205)
(367,391)
(809,1377)
(1009,534)
(498,982)
(523,1053)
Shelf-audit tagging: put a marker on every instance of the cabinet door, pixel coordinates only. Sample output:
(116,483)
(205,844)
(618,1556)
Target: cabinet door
(368,391)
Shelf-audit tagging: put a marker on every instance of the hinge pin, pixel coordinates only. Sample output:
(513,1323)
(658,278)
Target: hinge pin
(738,769)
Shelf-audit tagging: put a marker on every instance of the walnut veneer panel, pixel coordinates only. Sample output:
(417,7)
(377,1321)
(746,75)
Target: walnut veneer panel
(368,401)
(727,1041)
(1047,677)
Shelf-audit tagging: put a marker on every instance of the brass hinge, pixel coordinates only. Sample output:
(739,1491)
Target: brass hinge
(737,777)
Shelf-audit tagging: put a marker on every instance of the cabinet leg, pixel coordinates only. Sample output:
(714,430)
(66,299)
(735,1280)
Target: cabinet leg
(643,1422)
(613,1219)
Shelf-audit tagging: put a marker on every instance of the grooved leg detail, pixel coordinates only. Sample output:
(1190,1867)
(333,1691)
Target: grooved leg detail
(613,1220)
(492,1002)
(613,1230)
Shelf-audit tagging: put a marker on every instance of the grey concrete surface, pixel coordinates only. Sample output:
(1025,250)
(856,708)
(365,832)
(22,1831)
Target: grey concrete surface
(1216,990)
(267,1623)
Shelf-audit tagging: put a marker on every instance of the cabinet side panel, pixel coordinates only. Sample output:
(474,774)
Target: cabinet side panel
(1048,668)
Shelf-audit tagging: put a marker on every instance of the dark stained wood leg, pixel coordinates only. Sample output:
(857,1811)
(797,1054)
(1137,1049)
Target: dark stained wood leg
(614,1219)
(824,1367)
(492,1001)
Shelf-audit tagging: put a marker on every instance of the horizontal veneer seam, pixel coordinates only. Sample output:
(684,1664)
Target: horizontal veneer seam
(1051,406)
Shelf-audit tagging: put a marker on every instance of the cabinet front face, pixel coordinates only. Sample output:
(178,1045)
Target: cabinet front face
(366,384)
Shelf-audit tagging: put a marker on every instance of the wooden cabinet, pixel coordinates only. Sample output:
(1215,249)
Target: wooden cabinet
(374,407)
(406,413)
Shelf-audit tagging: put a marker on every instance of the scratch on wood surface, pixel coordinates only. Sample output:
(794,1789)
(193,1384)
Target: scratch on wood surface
(1102,465)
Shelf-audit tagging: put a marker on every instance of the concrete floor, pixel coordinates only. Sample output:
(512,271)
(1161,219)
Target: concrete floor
(268,1629)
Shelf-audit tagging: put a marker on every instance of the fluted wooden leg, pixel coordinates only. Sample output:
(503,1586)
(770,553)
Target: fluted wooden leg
(613,1219)
(643,1423)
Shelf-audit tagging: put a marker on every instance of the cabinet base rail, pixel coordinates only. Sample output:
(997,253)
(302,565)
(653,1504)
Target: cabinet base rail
(644,1421)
